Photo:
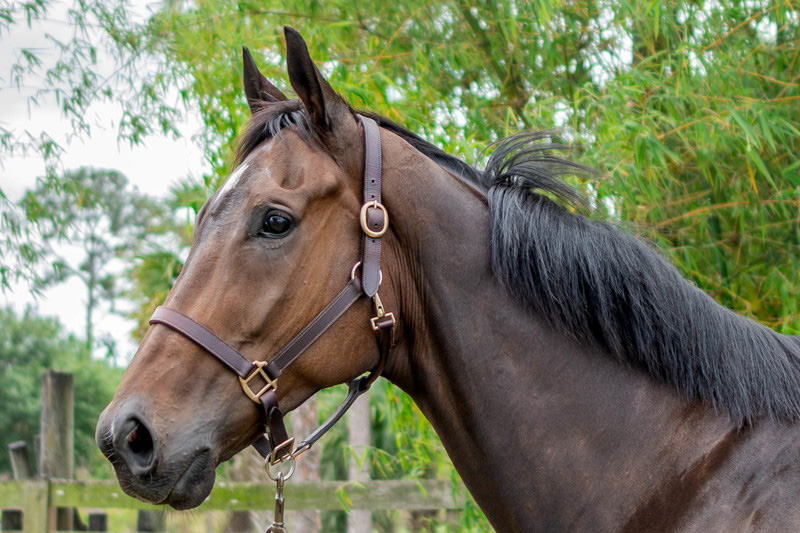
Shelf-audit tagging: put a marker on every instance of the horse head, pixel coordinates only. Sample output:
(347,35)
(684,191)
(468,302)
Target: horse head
(276,242)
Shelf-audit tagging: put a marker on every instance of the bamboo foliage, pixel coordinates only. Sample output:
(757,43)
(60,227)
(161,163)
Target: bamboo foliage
(703,132)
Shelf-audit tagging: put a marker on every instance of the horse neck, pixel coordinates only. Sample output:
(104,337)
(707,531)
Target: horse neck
(538,426)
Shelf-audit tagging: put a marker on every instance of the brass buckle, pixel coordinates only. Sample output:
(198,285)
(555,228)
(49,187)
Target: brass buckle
(374,321)
(363,218)
(273,456)
(381,313)
(259,371)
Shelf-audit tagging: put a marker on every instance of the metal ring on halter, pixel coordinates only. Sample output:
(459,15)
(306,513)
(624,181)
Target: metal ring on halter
(280,474)
(358,264)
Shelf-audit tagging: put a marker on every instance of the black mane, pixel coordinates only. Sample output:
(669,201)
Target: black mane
(609,290)
(615,292)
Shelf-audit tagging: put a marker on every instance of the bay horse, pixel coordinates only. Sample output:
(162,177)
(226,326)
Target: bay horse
(576,380)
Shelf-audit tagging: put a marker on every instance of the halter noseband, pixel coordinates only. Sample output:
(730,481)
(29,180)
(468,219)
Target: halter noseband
(276,445)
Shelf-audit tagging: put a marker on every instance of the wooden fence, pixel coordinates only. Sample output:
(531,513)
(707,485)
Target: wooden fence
(38,499)
(47,503)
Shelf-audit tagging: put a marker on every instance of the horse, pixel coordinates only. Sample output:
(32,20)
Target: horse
(577,381)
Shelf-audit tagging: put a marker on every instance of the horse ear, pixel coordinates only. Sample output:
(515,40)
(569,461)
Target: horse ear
(256,87)
(319,98)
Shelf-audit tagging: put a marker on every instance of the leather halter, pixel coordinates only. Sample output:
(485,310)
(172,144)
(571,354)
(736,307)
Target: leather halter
(276,445)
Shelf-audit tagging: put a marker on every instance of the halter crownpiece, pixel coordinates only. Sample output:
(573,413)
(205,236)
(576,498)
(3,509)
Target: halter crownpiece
(259,378)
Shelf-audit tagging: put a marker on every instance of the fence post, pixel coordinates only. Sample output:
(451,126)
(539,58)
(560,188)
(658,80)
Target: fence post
(33,518)
(35,513)
(358,426)
(20,460)
(11,519)
(57,433)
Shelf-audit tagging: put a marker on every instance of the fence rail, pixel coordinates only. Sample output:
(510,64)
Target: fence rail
(426,494)
(35,498)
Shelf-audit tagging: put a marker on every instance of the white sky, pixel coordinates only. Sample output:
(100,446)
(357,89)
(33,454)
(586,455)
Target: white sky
(152,167)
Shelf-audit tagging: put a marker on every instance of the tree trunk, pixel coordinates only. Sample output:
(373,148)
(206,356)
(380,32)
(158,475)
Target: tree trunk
(358,425)
(90,303)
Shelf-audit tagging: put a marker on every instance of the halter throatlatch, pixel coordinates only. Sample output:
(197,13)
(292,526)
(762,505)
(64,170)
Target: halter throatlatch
(259,378)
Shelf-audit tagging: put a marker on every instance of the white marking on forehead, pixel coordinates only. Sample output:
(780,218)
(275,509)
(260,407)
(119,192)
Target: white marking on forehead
(233,180)
(230,183)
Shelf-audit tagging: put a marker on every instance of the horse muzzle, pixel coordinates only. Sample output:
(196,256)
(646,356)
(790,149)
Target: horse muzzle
(144,469)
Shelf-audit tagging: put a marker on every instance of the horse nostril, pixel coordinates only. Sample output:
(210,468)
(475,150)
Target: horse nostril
(139,441)
(135,445)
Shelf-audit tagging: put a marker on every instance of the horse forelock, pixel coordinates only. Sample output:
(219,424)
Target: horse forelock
(268,122)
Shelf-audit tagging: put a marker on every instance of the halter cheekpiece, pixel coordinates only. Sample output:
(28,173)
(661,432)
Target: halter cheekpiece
(258,378)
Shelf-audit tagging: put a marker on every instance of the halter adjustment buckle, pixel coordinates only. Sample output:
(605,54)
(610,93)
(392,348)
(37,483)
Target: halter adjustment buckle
(378,322)
(282,452)
(374,233)
(259,371)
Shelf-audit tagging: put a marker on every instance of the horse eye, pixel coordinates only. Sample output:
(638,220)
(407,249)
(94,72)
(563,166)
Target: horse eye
(276,225)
